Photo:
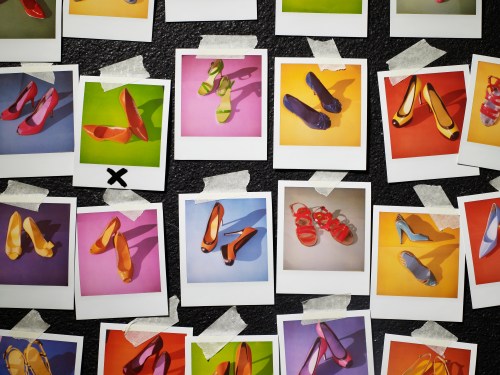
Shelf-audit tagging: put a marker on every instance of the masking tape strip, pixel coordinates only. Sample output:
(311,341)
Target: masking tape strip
(326,49)
(238,43)
(39,70)
(123,73)
(234,182)
(434,196)
(130,204)
(496,183)
(325,308)
(434,336)
(30,327)
(413,59)
(333,177)
(141,330)
(228,326)
(23,195)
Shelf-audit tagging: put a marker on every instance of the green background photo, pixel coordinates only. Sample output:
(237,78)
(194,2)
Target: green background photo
(262,358)
(16,24)
(104,108)
(323,6)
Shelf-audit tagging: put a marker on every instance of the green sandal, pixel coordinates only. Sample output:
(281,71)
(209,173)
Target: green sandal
(207,86)
(224,91)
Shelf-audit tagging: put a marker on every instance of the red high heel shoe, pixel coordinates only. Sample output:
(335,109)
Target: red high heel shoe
(135,365)
(339,354)
(33,9)
(28,93)
(311,363)
(34,123)
(134,118)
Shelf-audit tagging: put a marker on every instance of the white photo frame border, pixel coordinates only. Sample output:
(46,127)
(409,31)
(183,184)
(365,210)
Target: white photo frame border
(200,10)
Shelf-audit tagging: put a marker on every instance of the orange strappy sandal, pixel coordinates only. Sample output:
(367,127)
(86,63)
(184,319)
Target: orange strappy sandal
(36,359)
(339,231)
(306,233)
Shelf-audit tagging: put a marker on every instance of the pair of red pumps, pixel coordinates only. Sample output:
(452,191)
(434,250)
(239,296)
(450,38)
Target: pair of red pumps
(34,123)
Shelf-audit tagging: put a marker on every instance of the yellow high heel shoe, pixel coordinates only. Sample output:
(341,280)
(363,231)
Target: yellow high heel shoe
(224,91)
(444,122)
(13,242)
(100,245)
(14,360)
(207,86)
(36,359)
(405,112)
(421,365)
(42,246)
(123,261)
(440,367)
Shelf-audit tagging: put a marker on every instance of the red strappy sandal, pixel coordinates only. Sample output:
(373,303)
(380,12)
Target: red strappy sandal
(306,233)
(339,231)
(490,109)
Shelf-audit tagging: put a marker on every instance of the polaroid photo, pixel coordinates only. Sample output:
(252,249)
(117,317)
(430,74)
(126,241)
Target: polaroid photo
(130,20)
(164,353)
(37,266)
(417,270)
(120,263)
(480,145)
(320,115)
(346,18)
(257,353)
(226,249)
(323,241)
(222,114)
(406,353)
(63,353)
(37,121)
(345,342)
(30,32)
(436,19)
(479,220)
(218,10)
(420,143)
(121,135)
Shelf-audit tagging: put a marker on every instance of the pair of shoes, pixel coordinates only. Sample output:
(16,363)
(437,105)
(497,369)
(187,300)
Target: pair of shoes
(424,363)
(490,108)
(404,115)
(34,123)
(123,259)
(242,362)
(118,134)
(33,9)
(311,117)
(13,242)
(326,340)
(32,361)
(153,348)
(489,240)
(402,226)
(211,237)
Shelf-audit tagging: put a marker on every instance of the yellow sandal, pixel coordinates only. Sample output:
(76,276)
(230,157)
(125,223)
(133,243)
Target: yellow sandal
(36,359)
(224,91)
(15,361)
(207,86)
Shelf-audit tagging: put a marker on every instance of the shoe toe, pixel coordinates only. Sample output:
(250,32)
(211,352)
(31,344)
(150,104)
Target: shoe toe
(324,122)
(333,107)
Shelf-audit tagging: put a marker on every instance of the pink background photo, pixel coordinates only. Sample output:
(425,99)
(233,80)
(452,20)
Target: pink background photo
(98,272)
(198,118)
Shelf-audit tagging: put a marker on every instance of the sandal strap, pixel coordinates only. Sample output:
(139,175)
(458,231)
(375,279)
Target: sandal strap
(340,232)
(223,111)
(489,111)
(301,212)
(302,230)
(323,218)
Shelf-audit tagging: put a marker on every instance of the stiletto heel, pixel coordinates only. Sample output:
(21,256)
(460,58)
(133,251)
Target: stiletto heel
(134,119)
(440,366)
(489,241)
(418,270)
(162,364)
(312,118)
(224,91)
(402,226)
(421,365)
(102,242)
(33,9)
(36,359)
(215,69)
(222,368)
(123,260)
(212,231)
(243,360)
(15,361)
(328,102)
(405,112)
(444,122)
(26,95)
(13,242)
(34,123)
(339,354)
(318,350)
(41,246)
(339,231)
(135,365)
(229,250)
(490,108)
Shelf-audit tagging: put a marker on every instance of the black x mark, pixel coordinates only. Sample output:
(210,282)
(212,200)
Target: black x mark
(117,177)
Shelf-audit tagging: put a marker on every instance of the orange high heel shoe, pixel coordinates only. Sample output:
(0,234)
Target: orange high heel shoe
(405,112)
(134,118)
(13,242)
(123,260)
(14,360)
(444,122)
(243,361)
(34,123)
(40,244)
(212,232)
(108,133)
(222,368)
(229,250)
(15,109)
(102,242)
(36,359)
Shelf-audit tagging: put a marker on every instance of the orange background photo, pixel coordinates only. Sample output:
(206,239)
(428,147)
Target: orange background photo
(479,133)
(109,8)
(421,136)
(119,351)
(345,85)
(486,269)
(440,255)
(403,354)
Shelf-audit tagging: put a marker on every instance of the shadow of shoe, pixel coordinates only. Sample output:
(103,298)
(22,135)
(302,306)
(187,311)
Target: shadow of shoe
(249,220)
(137,231)
(143,249)
(45,8)
(148,109)
(455,102)
(48,230)
(357,344)
(419,226)
(244,92)
(242,74)
(268,367)
(61,363)
(438,256)
(60,113)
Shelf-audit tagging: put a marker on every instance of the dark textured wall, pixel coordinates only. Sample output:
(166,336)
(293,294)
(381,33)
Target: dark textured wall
(479,326)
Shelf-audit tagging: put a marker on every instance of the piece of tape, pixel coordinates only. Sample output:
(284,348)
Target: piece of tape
(127,202)
(496,183)
(228,326)
(325,308)
(333,177)
(30,327)
(434,336)
(23,195)
(234,182)
(413,59)
(123,73)
(237,43)
(327,49)
(39,70)
(434,196)
(141,330)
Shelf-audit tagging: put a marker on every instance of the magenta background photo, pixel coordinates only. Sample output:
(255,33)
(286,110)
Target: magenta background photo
(98,272)
(198,117)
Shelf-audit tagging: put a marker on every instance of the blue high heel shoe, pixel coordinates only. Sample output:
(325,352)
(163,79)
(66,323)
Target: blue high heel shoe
(418,270)
(402,226)
(489,241)
(328,102)
(311,117)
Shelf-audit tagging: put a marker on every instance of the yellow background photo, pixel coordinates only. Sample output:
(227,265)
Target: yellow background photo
(345,85)
(109,8)
(440,255)
(479,133)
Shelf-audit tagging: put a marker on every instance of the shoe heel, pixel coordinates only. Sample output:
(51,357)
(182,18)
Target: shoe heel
(420,97)
(400,234)
(33,103)
(52,113)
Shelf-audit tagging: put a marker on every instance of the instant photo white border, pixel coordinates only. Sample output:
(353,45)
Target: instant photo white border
(32,49)
(322,24)
(46,296)
(409,307)
(389,338)
(471,153)
(243,338)
(106,27)
(78,340)
(45,164)
(365,314)
(226,293)
(319,157)
(421,167)
(483,295)
(137,178)
(322,282)
(435,25)
(130,304)
(201,10)
(105,327)
(220,148)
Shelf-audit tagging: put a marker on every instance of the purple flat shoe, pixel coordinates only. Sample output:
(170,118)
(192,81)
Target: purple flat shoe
(311,117)
(328,102)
